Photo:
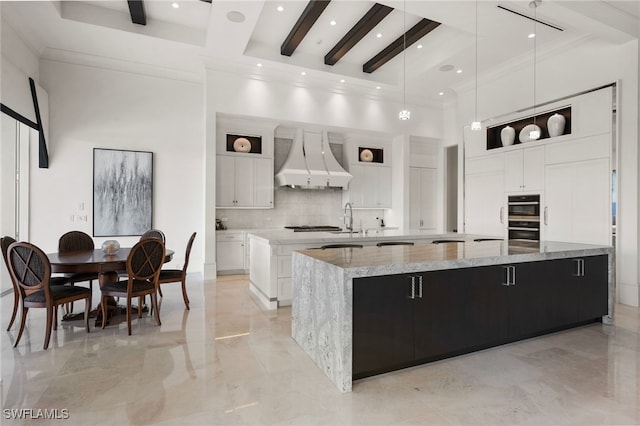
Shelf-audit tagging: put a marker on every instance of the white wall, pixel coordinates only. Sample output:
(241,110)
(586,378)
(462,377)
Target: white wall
(572,72)
(98,108)
(229,93)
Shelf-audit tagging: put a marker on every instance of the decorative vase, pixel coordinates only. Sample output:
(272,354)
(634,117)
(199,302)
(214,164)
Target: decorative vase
(555,125)
(110,247)
(507,136)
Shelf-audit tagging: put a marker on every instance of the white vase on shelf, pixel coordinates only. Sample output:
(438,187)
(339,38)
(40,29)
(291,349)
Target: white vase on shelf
(507,136)
(555,125)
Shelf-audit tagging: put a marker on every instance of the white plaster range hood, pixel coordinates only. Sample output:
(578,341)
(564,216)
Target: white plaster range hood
(310,163)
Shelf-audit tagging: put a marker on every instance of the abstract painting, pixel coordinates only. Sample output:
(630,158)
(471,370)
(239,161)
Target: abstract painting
(122,192)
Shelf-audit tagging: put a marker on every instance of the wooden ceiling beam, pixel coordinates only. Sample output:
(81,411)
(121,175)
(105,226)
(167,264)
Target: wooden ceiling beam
(306,20)
(367,23)
(422,28)
(136,9)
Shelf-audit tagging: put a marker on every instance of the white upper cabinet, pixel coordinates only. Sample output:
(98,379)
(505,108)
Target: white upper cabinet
(244,182)
(423,199)
(484,195)
(524,170)
(370,186)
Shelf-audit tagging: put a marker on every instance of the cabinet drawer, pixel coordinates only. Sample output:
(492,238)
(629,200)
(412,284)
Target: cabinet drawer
(230,237)
(284,266)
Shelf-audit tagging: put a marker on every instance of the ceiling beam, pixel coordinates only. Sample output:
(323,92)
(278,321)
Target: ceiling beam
(422,28)
(136,9)
(368,22)
(306,20)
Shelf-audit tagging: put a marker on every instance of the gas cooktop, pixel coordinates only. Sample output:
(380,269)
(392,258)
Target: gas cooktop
(314,228)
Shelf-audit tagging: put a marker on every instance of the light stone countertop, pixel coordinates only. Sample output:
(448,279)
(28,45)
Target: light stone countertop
(287,236)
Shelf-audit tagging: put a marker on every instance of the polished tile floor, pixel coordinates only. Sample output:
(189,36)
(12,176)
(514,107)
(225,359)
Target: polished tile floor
(228,362)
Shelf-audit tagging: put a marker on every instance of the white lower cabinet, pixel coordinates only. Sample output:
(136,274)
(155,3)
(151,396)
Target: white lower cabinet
(578,202)
(231,253)
(423,198)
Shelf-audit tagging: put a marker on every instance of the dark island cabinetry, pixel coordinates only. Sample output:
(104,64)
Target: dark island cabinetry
(407,319)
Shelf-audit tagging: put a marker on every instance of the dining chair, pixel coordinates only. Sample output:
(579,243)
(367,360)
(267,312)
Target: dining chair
(76,241)
(178,275)
(31,271)
(5,242)
(154,233)
(395,243)
(143,269)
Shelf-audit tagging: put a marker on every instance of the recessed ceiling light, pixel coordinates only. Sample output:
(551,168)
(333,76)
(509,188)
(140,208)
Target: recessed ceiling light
(332,23)
(258,65)
(342,80)
(175,5)
(279,8)
(419,46)
(378,87)
(235,16)
(379,35)
(303,73)
(441,94)
(532,35)
(459,71)
(446,68)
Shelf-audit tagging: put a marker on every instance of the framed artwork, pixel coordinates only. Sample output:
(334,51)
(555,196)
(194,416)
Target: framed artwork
(122,192)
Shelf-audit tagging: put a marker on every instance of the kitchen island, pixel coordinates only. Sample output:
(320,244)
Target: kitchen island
(361,312)
(270,255)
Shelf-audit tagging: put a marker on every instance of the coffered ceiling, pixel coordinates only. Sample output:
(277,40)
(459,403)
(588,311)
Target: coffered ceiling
(333,49)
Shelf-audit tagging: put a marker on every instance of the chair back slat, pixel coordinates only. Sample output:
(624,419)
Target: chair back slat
(154,233)
(29,266)
(146,259)
(188,252)
(74,241)
(5,242)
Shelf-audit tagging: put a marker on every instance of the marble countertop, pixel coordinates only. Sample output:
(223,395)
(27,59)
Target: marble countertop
(372,260)
(287,236)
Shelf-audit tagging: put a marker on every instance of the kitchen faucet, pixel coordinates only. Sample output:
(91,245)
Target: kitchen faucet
(350,225)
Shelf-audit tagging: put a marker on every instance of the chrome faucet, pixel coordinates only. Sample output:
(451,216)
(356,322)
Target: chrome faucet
(350,225)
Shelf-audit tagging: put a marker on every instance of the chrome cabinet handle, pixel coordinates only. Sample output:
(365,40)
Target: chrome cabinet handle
(420,286)
(413,287)
(511,275)
(579,268)
(502,214)
(546,215)
(507,269)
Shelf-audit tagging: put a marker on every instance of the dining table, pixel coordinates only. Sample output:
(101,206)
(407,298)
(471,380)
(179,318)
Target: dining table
(108,267)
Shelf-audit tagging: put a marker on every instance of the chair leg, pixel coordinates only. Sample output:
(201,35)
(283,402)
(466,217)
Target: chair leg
(160,291)
(23,320)
(140,303)
(50,315)
(55,317)
(129,315)
(184,293)
(103,305)
(87,310)
(154,302)
(16,297)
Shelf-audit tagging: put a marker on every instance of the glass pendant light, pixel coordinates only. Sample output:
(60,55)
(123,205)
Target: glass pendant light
(534,134)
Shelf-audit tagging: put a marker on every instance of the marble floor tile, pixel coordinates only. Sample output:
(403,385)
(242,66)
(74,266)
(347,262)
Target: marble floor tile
(229,362)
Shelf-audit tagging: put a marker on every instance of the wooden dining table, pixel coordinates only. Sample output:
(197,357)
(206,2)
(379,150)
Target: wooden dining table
(106,265)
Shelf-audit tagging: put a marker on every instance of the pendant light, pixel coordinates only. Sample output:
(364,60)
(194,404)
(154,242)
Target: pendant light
(475,124)
(534,134)
(405,114)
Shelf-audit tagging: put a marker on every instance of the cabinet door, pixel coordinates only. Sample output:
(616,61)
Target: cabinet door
(593,288)
(563,298)
(415,202)
(513,179)
(486,301)
(229,255)
(383,320)
(557,215)
(533,169)
(369,186)
(383,187)
(263,182)
(484,204)
(440,313)
(244,173)
(428,198)
(357,185)
(591,197)
(225,181)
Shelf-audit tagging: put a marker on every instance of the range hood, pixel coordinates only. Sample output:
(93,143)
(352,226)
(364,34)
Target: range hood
(310,163)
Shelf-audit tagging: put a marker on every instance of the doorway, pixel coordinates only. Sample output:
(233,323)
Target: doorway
(451,188)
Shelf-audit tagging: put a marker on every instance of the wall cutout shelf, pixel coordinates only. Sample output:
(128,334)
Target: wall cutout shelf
(493,133)
(370,155)
(244,144)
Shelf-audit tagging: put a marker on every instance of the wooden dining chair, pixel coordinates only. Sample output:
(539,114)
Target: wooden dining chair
(143,269)
(178,275)
(5,242)
(77,241)
(154,233)
(31,271)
